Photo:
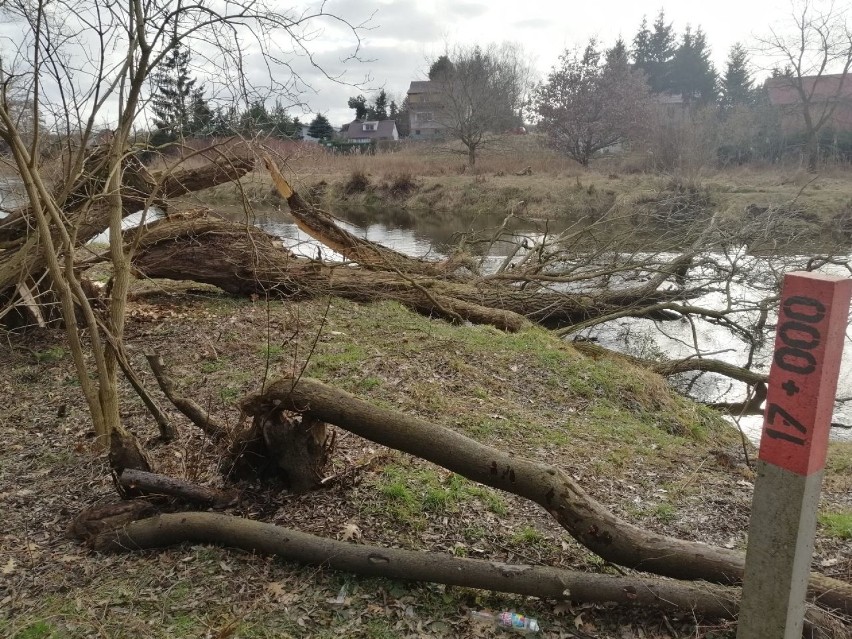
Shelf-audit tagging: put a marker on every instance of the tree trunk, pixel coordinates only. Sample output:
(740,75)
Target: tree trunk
(137,482)
(812,151)
(20,254)
(246,261)
(322,227)
(588,521)
(393,563)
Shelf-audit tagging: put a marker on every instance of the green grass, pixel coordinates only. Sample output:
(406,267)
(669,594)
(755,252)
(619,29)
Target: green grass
(49,355)
(837,524)
(665,512)
(527,536)
(37,630)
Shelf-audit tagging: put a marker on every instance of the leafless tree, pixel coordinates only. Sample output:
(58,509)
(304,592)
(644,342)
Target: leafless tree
(79,65)
(482,94)
(586,106)
(814,49)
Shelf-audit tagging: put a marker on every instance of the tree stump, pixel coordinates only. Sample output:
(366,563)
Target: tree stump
(295,448)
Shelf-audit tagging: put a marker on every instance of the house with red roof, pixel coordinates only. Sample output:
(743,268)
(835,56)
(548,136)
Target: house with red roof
(829,97)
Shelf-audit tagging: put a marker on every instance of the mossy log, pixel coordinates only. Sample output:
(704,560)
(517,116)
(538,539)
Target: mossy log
(587,520)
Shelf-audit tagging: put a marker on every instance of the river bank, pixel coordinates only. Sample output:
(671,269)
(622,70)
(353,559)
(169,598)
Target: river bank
(528,180)
(652,457)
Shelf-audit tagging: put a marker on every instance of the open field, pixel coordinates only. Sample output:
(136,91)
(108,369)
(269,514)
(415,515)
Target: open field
(654,458)
(527,179)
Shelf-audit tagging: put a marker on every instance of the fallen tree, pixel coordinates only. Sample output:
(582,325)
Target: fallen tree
(394,563)
(85,212)
(588,521)
(246,261)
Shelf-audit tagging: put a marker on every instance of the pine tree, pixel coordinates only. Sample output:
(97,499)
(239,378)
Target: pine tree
(225,121)
(201,115)
(736,85)
(617,54)
(653,52)
(692,73)
(393,111)
(172,98)
(380,106)
(282,125)
(440,68)
(255,120)
(320,128)
(642,47)
(403,122)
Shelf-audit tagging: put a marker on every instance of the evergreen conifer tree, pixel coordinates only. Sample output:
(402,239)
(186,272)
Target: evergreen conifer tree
(201,115)
(440,68)
(692,73)
(653,52)
(736,85)
(642,47)
(320,128)
(172,100)
(380,106)
(617,54)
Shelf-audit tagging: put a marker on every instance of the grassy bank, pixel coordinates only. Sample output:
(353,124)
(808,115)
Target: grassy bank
(524,177)
(654,458)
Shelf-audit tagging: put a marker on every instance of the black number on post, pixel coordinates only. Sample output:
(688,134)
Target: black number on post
(808,302)
(799,327)
(775,410)
(785,354)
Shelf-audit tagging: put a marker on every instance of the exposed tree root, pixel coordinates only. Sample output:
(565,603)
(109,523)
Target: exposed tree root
(587,520)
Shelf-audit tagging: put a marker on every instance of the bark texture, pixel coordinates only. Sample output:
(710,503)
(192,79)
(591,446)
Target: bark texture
(244,261)
(253,536)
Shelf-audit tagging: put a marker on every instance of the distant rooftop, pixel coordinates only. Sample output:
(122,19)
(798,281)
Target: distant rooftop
(782,90)
(424,86)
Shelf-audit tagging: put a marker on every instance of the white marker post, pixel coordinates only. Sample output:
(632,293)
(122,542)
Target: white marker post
(809,339)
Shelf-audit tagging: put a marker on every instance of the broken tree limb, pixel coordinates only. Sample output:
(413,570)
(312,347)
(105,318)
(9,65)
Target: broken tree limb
(152,484)
(322,227)
(184,181)
(254,536)
(209,424)
(587,520)
(167,430)
(673,367)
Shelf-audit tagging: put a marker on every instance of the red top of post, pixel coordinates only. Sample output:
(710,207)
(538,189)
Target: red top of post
(809,339)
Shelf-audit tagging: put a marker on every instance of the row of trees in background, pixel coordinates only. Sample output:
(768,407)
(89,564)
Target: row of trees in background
(180,110)
(664,94)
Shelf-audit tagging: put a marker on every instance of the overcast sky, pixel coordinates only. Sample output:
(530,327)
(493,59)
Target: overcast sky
(401,36)
(406,33)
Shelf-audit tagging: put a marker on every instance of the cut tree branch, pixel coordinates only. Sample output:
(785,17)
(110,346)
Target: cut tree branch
(587,520)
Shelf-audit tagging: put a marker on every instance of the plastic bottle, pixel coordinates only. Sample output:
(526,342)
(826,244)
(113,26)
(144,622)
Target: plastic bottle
(508,621)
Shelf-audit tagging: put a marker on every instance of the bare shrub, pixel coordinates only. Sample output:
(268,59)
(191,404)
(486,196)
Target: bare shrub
(358,182)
